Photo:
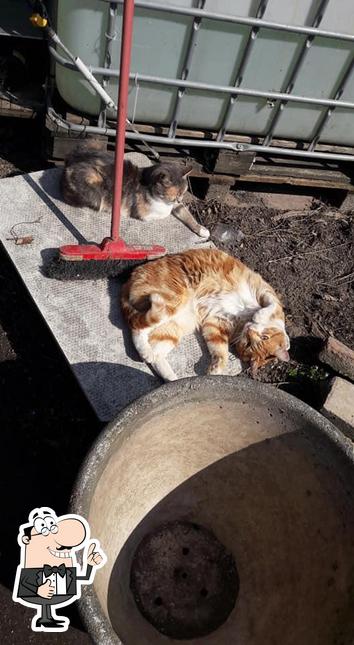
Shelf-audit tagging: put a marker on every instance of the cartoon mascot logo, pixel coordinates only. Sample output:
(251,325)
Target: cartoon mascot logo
(49,575)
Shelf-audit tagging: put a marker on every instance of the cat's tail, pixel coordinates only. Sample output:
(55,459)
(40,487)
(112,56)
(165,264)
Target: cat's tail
(142,323)
(139,316)
(84,148)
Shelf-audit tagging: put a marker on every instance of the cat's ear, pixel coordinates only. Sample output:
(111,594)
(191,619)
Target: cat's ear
(187,172)
(282,354)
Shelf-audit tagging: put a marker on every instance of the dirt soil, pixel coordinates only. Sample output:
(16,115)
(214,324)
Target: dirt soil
(308,257)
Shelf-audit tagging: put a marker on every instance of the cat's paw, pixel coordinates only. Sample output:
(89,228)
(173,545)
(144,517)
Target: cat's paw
(236,367)
(147,354)
(171,377)
(215,368)
(203,232)
(151,358)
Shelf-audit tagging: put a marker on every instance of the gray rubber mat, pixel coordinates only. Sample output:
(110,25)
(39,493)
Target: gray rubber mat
(85,316)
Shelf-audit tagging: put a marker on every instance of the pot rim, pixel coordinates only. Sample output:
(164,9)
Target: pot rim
(93,618)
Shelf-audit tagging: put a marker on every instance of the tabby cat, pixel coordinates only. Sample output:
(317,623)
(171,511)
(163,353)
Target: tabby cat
(148,193)
(210,290)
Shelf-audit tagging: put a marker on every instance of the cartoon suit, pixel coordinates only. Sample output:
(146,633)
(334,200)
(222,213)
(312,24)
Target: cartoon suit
(31,579)
(48,574)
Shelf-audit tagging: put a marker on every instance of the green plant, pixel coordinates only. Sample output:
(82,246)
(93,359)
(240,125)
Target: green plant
(312,372)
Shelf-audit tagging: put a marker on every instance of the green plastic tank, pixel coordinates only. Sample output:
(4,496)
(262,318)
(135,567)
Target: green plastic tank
(160,41)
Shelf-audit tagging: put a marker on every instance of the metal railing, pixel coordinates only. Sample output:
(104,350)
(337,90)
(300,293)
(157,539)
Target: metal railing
(280,98)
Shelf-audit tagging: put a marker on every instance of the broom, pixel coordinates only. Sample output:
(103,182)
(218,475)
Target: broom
(112,256)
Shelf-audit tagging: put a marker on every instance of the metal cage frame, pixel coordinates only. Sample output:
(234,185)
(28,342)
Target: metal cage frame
(217,140)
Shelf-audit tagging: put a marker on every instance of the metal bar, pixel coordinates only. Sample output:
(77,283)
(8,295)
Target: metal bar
(328,156)
(197,143)
(223,89)
(185,70)
(328,113)
(289,84)
(125,55)
(78,65)
(251,22)
(241,70)
(111,35)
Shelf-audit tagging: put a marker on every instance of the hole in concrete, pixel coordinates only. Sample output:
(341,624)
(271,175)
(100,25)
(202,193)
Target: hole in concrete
(181,611)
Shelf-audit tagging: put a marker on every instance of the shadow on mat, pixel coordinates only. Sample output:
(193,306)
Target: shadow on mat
(116,317)
(104,383)
(42,194)
(50,182)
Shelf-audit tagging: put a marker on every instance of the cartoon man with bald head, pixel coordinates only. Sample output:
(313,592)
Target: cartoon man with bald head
(48,573)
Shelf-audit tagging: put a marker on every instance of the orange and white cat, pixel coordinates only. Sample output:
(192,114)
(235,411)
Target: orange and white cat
(206,289)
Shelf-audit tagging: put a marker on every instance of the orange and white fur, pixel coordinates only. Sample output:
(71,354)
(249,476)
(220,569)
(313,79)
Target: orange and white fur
(209,290)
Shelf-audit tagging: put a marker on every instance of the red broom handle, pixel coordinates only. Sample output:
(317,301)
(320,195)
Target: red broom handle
(125,55)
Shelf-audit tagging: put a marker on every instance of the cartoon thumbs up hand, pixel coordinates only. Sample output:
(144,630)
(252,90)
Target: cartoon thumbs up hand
(46,590)
(95,557)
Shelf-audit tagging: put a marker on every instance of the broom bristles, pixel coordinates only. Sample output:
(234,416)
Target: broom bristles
(70,270)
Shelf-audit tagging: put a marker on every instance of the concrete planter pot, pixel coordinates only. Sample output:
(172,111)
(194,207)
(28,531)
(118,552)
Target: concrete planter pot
(214,472)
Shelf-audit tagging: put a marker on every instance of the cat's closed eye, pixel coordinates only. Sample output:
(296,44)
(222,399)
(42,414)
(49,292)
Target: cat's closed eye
(164,179)
(265,337)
